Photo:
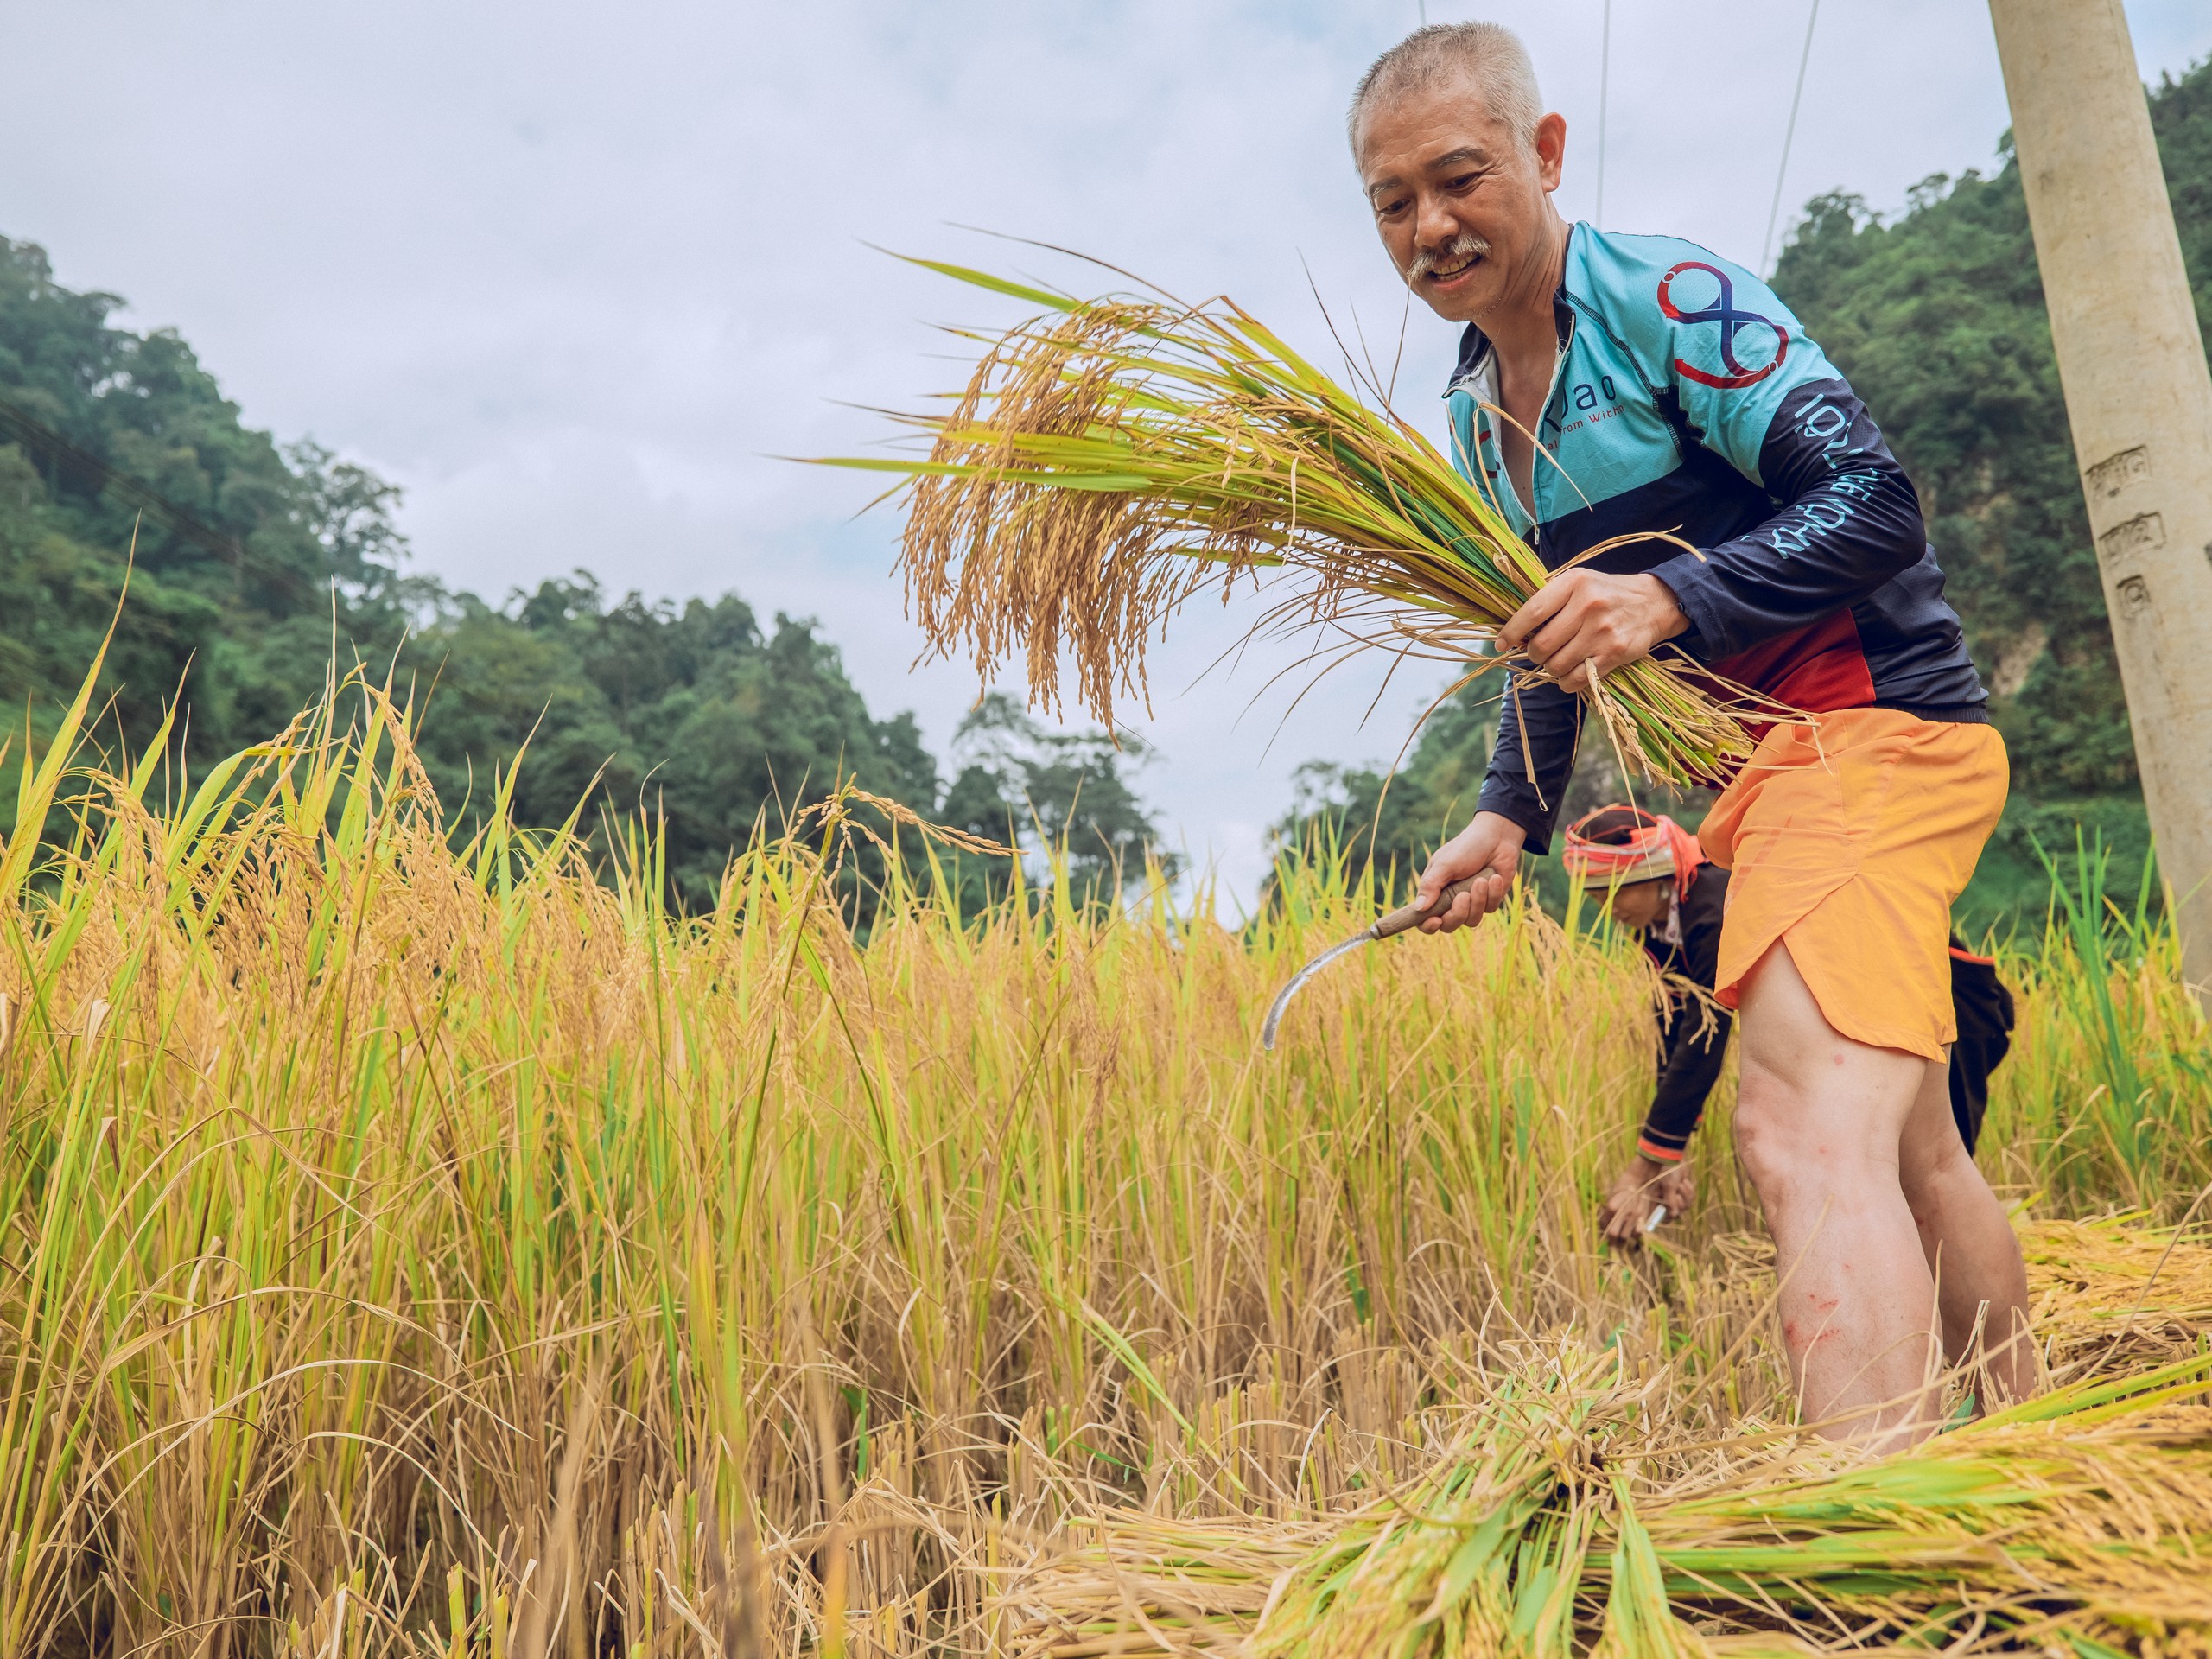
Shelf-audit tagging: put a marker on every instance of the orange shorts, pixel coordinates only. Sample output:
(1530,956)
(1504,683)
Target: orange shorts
(1850,838)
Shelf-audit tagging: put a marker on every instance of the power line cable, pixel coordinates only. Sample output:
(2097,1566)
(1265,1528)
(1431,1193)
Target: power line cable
(96,477)
(1774,213)
(1605,76)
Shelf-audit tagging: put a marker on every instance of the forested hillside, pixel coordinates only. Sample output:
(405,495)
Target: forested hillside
(1937,317)
(256,566)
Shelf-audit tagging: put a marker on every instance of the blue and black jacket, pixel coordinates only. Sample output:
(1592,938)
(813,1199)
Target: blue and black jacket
(1687,398)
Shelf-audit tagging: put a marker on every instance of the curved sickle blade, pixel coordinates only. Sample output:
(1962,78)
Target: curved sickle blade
(1298,983)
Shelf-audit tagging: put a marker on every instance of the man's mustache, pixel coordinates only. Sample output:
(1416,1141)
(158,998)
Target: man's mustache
(1465,245)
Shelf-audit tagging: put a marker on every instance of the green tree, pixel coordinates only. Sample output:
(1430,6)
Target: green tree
(688,713)
(232,571)
(1049,793)
(1385,824)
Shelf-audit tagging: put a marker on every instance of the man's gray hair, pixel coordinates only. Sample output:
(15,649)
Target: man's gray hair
(1488,55)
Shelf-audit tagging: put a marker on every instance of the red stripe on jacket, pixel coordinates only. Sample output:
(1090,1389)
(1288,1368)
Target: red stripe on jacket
(1817,668)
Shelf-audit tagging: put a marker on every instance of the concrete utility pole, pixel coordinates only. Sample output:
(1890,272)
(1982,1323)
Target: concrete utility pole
(2138,396)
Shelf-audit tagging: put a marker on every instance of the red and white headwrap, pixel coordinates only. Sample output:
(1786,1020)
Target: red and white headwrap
(1655,846)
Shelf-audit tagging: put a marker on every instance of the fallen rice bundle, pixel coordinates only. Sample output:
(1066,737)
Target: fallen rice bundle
(1116,457)
(1560,1522)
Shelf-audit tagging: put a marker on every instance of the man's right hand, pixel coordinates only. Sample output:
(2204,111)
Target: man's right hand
(1643,1184)
(1487,849)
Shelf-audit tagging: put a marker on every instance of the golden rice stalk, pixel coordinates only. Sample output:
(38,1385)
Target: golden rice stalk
(1115,458)
(1487,1555)
(2117,1292)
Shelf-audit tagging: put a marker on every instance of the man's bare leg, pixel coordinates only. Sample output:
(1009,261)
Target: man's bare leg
(1820,1119)
(1968,1243)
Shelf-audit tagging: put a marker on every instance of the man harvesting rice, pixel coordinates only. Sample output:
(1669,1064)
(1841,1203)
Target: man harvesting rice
(1611,384)
(1652,875)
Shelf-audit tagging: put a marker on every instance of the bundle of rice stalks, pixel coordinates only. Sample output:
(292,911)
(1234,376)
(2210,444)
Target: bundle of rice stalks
(2076,1524)
(1112,460)
(1487,1547)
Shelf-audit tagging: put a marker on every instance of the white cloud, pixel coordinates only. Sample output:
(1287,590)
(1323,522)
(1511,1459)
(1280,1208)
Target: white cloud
(573,272)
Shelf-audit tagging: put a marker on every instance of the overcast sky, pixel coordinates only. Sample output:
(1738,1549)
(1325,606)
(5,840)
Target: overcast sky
(572,273)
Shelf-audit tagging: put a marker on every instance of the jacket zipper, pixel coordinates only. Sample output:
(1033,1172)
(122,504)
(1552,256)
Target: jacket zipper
(1551,390)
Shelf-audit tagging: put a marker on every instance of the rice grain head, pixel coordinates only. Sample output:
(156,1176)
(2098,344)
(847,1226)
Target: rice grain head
(1114,458)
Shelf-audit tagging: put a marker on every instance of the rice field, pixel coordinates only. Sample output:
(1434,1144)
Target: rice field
(418,1250)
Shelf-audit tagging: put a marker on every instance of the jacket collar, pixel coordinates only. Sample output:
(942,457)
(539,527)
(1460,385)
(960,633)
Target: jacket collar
(1474,370)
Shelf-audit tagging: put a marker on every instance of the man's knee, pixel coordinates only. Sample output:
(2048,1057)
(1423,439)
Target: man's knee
(1764,1144)
(1776,1140)
(1793,1142)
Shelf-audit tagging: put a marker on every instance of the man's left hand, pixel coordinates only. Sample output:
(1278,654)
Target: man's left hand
(1585,622)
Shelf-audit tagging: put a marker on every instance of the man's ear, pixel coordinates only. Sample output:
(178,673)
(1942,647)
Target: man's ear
(1551,149)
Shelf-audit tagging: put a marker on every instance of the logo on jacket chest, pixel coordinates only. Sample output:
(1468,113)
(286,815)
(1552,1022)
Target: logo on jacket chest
(1584,402)
(1723,311)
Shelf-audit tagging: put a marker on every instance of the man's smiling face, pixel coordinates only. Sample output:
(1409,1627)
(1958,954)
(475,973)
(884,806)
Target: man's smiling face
(1459,199)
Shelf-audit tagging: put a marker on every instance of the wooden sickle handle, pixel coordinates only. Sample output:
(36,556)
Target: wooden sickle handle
(1405,917)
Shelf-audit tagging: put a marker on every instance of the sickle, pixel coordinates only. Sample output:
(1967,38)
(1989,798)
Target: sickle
(1387,927)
